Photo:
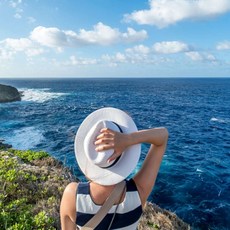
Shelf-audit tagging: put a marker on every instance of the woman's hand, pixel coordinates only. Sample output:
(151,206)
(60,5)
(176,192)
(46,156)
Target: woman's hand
(109,139)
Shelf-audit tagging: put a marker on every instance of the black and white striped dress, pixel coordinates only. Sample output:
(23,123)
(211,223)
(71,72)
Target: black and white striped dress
(127,215)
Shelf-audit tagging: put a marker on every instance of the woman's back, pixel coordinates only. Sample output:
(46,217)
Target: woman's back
(107,148)
(127,214)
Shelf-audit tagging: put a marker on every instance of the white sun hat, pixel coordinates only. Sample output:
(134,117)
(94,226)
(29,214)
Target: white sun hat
(94,164)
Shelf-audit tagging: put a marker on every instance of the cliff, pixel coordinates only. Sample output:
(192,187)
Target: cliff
(31,186)
(9,94)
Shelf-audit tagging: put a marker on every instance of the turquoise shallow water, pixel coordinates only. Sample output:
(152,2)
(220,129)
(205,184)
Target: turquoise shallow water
(194,179)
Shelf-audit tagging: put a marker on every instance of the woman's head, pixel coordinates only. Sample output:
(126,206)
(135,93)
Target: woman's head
(94,164)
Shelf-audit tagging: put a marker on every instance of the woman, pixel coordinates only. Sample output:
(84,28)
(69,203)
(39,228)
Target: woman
(107,148)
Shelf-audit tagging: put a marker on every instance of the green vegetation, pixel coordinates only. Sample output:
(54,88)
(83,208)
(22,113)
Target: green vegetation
(29,155)
(152,225)
(31,186)
(30,190)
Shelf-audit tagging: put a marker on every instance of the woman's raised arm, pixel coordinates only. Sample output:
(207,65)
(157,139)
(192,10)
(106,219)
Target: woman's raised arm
(146,176)
(157,137)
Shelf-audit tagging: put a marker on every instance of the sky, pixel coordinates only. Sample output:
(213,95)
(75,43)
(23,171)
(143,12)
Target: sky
(114,38)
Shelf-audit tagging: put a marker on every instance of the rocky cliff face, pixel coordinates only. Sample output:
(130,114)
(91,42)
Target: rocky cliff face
(31,186)
(9,94)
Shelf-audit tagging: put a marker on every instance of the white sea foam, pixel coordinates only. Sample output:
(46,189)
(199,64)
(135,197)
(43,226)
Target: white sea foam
(214,119)
(199,170)
(219,193)
(39,95)
(26,138)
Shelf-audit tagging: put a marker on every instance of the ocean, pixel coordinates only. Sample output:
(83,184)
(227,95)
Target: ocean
(194,178)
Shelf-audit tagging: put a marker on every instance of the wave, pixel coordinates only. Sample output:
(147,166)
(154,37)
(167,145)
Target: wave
(39,95)
(219,120)
(199,170)
(26,138)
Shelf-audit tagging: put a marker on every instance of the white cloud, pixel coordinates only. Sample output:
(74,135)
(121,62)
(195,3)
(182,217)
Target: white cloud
(18,16)
(113,60)
(223,45)
(195,56)
(147,55)
(166,12)
(120,57)
(210,57)
(57,39)
(73,60)
(170,47)
(134,36)
(202,57)
(51,37)
(15,3)
(152,55)
(140,49)
(10,47)
(133,57)
(4,55)
(105,35)
(100,35)
(17,44)
(31,52)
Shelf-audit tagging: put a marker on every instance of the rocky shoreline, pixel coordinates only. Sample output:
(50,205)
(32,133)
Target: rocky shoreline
(4,145)
(9,94)
(31,185)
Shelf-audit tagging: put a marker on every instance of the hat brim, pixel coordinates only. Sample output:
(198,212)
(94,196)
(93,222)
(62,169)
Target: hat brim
(128,160)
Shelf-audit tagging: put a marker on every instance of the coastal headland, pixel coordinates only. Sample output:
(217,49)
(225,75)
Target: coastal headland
(32,184)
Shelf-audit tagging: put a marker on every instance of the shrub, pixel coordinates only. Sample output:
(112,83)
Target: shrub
(29,155)
(29,194)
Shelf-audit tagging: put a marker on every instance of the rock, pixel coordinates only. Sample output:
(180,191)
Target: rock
(4,145)
(154,217)
(9,94)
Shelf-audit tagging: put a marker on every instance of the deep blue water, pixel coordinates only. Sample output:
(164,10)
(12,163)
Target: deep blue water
(194,179)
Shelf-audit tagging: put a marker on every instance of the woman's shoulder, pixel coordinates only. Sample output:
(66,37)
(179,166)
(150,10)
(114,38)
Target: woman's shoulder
(70,189)
(67,208)
(71,186)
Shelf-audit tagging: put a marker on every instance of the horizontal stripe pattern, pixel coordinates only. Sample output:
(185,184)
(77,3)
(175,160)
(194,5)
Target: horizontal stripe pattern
(130,227)
(120,220)
(130,202)
(127,215)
